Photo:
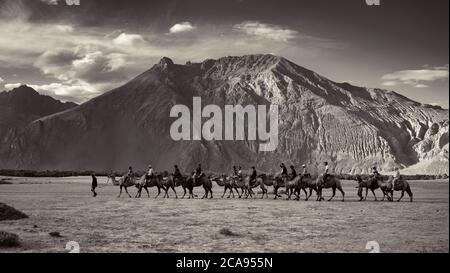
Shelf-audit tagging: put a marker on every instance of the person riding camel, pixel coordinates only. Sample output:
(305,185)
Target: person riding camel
(198,172)
(326,174)
(130,174)
(376,174)
(304,172)
(293,173)
(396,177)
(235,171)
(284,171)
(253,176)
(150,173)
(176,173)
(239,175)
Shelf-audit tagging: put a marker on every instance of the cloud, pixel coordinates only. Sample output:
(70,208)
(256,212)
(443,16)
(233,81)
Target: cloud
(64,28)
(181,27)
(10,86)
(85,63)
(267,31)
(128,40)
(416,78)
(75,92)
(2,80)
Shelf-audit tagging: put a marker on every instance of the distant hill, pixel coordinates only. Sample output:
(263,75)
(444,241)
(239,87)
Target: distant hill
(22,105)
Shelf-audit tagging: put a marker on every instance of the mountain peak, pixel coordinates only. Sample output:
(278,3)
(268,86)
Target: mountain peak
(165,62)
(24,89)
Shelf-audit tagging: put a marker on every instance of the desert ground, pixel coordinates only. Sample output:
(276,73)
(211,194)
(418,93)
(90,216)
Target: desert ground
(110,224)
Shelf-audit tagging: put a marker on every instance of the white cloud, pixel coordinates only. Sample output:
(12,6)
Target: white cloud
(10,86)
(182,27)
(416,78)
(127,40)
(2,80)
(267,31)
(86,63)
(64,28)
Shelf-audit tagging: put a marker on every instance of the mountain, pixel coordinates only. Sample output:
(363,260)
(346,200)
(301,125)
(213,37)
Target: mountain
(23,105)
(352,127)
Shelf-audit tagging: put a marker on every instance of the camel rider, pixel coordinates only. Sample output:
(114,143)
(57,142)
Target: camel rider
(130,174)
(235,171)
(376,174)
(284,171)
(240,173)
(253,175)
(293,173)
(396,177)
(150,172)
(197,172)
(326,173)
(176,173)
(304,169)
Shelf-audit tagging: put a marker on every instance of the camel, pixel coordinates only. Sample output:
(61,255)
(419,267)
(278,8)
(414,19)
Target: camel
(225,182)
(113,179)
(306,182)
(238,183)
(125,183)
(385,186)
(259,182)
(167,183)
(291,186)
(388,188)
(186,183)
(148,183)
(333,183)
(367,184)
(262,181)
(279,182)
(402,185)
(200,181)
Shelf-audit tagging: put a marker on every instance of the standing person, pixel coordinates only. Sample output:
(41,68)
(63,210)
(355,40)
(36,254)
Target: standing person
(293,172)
(94,185)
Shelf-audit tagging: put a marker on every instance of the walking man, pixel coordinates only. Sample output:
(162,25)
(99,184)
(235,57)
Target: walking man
(94,185)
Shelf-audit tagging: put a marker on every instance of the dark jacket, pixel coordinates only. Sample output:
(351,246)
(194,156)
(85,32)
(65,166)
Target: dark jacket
(253,176)
(293,174)
(94,182)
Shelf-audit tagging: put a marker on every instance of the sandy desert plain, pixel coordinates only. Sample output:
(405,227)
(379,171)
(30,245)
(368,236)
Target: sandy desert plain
(110,224)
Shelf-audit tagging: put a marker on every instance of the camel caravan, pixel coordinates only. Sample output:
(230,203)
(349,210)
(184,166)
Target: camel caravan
(242,186)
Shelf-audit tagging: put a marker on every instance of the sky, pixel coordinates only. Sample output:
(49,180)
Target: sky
(76,52)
